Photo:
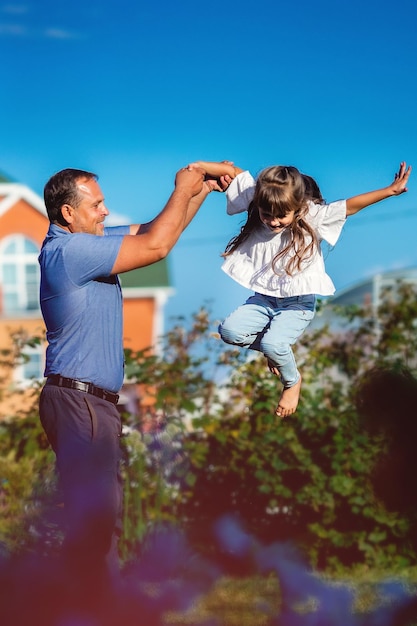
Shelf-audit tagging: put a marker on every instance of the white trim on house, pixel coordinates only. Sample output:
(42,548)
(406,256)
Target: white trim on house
(11,193)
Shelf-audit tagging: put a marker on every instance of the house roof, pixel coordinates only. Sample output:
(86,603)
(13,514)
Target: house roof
(366,292)
(356,293)
(151,276)
(11,193)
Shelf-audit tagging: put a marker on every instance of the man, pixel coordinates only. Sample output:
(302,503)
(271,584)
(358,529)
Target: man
(81,303)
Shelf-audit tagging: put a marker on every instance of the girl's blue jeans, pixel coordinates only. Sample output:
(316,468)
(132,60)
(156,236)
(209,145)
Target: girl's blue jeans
(271,326)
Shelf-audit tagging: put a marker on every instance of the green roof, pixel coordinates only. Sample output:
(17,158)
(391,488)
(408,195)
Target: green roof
(4,178)
(155,275)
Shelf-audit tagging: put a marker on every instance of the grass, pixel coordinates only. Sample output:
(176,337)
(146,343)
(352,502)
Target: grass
(253,601)
(234,602)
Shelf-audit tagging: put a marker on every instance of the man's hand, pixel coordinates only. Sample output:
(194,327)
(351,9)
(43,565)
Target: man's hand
(190,180)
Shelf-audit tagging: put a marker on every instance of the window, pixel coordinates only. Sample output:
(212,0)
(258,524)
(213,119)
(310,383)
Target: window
(32,367)
(19,275)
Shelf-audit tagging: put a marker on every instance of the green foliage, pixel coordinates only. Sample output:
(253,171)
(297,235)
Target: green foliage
(182,381)
(219,448)
(27,479)
(156,474)
(27,482)
(149,495)
(307,478)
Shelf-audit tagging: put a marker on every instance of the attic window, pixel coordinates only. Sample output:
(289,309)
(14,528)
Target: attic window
(19,275)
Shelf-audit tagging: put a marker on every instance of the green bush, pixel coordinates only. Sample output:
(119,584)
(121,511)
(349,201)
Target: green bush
(27,478)
(308,478)
(219,448)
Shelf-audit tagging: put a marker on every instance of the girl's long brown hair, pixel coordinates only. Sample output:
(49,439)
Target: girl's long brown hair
(279,190)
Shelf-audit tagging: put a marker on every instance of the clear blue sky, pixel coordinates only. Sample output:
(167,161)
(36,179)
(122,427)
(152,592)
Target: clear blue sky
(136,90)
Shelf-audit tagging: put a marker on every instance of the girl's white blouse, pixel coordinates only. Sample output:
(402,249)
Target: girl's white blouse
(251,264)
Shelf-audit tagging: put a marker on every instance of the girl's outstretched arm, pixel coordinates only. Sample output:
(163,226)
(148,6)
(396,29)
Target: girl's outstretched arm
(397,187)
(219,168)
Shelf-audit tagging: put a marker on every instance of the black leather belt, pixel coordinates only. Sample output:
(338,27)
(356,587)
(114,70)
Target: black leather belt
(71,383)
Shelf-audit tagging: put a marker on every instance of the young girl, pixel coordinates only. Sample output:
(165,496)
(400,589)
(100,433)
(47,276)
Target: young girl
(277,255)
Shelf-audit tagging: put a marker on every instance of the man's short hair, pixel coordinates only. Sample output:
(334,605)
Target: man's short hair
(62,189)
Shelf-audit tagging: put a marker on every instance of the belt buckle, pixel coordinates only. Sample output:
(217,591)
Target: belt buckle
(80,386)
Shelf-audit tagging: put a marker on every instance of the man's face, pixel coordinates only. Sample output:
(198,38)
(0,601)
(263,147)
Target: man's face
(91,211)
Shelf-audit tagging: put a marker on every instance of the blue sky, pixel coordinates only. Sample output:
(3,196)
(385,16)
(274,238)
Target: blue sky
(136,90)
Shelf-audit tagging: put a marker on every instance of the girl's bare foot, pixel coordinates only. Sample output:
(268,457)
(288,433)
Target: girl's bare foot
(289,400)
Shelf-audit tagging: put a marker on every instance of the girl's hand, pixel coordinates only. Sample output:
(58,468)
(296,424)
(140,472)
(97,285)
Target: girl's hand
(216,169)
(219,175)
(396,188)
(399,185)
(217,184)
(224,182)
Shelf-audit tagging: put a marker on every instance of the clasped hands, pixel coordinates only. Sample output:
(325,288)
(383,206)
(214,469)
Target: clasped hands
(218,175)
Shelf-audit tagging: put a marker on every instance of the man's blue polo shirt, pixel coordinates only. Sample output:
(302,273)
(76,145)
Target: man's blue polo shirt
(81,304)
